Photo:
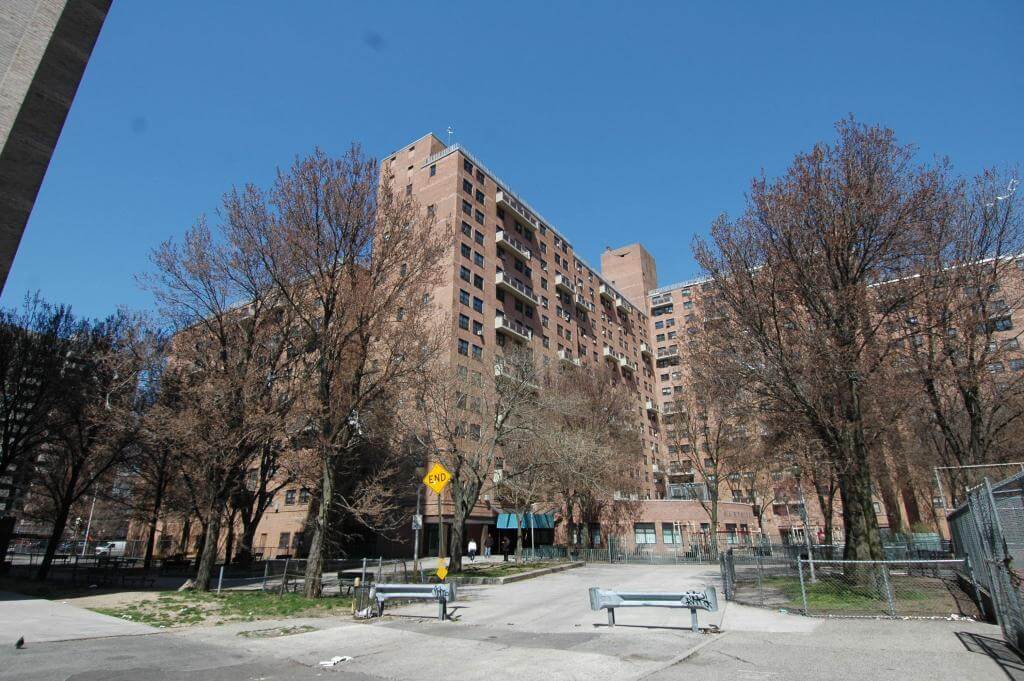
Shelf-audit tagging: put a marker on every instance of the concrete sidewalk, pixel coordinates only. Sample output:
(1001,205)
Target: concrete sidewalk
(40,620)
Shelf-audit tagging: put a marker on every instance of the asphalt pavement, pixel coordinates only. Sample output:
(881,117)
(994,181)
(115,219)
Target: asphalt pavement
(540,628)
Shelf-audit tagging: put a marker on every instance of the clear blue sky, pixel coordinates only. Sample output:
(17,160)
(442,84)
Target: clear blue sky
(619,121)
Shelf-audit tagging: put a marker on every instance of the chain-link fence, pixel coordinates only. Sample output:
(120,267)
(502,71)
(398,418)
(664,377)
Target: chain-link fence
(988,532)
(910,588)
(838,588)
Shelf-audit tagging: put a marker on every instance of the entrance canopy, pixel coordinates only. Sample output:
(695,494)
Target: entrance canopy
(538,521)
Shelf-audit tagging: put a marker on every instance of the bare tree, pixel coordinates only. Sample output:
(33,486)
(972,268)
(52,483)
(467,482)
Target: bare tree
(465,420)
(711,425)
(795,275)
(957,336)
(230,367)
(355,263)
(93,426)
(34,342)
(589,425)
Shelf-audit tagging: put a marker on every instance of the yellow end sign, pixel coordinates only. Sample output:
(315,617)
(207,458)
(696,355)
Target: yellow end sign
(437,479)
(442,572)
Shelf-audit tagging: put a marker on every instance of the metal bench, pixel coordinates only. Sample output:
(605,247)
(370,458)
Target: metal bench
(693,600)
(442,593)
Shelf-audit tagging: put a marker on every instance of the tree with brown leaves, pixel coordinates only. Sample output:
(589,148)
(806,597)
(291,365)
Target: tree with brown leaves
(796,276)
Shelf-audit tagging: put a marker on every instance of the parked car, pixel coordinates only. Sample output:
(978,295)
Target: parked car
(111,548)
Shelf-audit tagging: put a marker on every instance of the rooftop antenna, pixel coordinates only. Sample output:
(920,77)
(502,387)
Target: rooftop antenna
(450,132)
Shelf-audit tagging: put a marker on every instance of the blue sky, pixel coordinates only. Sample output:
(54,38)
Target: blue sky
(618,121)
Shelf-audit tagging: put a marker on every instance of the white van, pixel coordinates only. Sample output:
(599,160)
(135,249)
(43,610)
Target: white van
(111,548)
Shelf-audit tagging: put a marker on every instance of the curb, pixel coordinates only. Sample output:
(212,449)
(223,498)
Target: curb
(518,577)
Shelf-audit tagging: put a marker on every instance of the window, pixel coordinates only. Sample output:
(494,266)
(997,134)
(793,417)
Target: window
(478,259)
(296,539)
(289,497)
(433,170)
(465,274)
(463,347)
(478,352)
(479,238)
(479,196)
(643,533)
(478,328)
(285,540)
(464,322)
(1011,344)
(467,187)
(670,534)
(478,281)
(478,305)
(479,217)
(467,166)
(467,208)
(303,499)
(467,229)
(463,297)
(1017,364)
(467,252)
(408,190)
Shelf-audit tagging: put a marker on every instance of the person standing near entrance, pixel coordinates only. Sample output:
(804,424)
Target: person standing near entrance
(472,550)
(488,546)
(505,543)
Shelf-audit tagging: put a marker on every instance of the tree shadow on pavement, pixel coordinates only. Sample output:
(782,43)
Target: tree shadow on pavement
(1002,654)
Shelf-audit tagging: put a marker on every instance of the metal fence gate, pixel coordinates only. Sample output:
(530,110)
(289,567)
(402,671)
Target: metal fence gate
(988,531)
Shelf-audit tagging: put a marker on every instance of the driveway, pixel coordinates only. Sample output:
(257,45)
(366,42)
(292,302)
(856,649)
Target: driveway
(542,628)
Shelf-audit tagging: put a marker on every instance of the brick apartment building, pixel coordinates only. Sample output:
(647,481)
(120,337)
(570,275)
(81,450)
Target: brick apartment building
(516,279)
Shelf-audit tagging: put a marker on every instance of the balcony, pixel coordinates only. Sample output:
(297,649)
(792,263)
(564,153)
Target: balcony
(652,408)
(510,327)
(566,356)
(507,372)
(645,351)
(564,284)
(503,238)
(627,364)
(671,351)
(583,303)
(607,293)
(610,354)
(678,469)
(506,200)
(621,305)
(515,287)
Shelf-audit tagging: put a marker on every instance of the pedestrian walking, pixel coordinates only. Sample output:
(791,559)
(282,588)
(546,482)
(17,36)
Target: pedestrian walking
(488,546)
(505,543)
(472,550)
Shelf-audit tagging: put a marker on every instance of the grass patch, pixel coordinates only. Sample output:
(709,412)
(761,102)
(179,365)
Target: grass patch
(187,608)
(835,596)
(501,569)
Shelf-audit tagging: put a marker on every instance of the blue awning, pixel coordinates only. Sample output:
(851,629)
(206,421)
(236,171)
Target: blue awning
(539,521)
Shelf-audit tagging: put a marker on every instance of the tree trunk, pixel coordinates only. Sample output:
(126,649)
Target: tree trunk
(321,531)
(243,556)
(464,498)
(186,530)
(861,525)
(59,524)
(208,557)
(154,520)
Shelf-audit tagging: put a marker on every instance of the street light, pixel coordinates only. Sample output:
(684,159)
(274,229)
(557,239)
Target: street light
(797,473)
(417,523)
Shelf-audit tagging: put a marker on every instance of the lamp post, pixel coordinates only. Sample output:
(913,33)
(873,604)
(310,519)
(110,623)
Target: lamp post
(803,516)
(417,520)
